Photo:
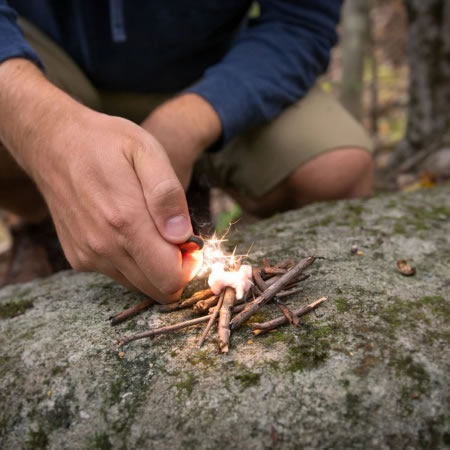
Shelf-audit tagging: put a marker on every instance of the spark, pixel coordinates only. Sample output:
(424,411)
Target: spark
(213,253)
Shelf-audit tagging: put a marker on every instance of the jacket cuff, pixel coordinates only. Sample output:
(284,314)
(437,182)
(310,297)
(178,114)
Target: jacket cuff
(20,51)
(12,42)
(230,98)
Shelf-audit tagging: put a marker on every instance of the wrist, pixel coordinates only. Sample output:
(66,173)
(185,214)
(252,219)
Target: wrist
(205,124)
(187,121)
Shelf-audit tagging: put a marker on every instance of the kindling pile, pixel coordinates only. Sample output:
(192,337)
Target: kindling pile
(268,283)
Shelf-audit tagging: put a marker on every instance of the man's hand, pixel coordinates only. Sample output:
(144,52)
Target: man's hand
(117,204)
(185,126)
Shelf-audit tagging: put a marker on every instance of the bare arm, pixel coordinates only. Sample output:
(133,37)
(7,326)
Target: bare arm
(186,126)
(117,204)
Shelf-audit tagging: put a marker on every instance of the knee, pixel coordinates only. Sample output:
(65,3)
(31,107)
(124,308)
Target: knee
(338,174)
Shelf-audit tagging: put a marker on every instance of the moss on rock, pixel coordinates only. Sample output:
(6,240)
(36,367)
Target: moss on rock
(369,370)
(14,308)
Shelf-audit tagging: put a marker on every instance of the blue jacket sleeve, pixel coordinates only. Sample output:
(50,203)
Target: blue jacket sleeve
(271,64)
(12,42)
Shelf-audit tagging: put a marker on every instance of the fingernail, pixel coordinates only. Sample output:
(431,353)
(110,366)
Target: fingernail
(177,226)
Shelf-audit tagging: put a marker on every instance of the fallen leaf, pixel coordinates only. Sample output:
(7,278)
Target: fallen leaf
(405,269)
(424,181)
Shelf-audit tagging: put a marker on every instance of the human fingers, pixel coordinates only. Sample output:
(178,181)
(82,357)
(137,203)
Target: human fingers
(163,193)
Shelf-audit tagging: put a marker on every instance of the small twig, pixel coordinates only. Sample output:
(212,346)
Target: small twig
(130,312)
(239,306)
(261,328)
(289,315)
(271,291)
(212,319)
(272,280)
(285,264)
(273,271)
(259,282)
(225,318)
(162,330)
(256,290)
(288,292)
(169,328)
(200,295)
(294,283)
(283,308)
(259,289)
(203,306)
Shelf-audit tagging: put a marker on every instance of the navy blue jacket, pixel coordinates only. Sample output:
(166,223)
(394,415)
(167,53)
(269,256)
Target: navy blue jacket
(248,69)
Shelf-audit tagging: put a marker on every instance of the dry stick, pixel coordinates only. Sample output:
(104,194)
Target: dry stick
(130,312)
(283,308)
(175,327)
(285,264)
(239,305)
(260,328)
(247,296)
(271,291)
(256,290)
(162,330)
(272,280)
(212,319)
(289,292)
(196,299)
(203,306)
(260,283)
(289,315)
(273,271)
(293,287)
(237,308)
(200,295)
(223,328)
(294,284)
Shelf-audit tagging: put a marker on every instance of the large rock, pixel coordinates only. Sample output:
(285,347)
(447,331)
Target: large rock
(370,370)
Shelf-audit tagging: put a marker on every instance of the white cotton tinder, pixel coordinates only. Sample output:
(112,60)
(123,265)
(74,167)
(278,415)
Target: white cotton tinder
(240,280)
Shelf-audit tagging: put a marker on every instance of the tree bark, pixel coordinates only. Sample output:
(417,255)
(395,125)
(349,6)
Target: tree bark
(428,127)
(355,40)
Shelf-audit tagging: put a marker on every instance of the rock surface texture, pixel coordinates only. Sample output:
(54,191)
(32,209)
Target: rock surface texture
(370,370)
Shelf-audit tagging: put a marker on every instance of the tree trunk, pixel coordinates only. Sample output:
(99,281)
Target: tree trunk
(428,127)
(355,36)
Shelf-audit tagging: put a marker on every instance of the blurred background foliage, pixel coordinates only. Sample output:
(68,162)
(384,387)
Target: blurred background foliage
(369,69)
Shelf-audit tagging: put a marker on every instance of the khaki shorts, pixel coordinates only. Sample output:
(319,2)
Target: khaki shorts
(253,162)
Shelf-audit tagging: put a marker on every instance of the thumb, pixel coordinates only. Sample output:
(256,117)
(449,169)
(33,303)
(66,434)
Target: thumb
(164,195)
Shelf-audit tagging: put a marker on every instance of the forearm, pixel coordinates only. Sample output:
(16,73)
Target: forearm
(186,121)
(76,157)
(185,126)
(30,108)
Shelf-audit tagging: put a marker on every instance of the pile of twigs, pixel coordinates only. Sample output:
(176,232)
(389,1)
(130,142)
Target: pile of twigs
(269,283)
